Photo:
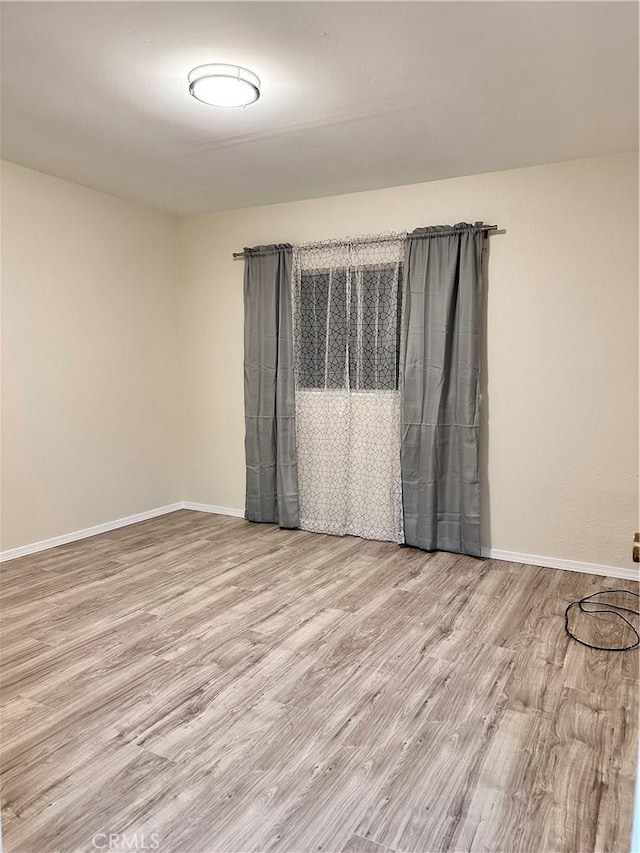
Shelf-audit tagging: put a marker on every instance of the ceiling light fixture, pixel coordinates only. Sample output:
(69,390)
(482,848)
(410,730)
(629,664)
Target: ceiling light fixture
(224,85)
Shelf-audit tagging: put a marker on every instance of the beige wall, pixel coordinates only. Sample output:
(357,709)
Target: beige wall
(560,399)
(110,372)
(90,411)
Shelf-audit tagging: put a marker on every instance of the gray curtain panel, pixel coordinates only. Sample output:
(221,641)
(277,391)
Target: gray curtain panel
(270,434)
(439,378)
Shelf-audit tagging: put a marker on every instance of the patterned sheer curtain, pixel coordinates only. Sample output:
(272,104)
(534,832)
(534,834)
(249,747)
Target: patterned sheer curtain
(347,301)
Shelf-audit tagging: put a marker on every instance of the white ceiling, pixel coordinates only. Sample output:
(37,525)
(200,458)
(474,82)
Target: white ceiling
(355,95)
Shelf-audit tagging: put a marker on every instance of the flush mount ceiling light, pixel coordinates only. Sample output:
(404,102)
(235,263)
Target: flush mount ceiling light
(224,85)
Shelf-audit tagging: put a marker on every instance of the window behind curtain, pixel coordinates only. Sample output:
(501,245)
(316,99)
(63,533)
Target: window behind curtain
(349,327)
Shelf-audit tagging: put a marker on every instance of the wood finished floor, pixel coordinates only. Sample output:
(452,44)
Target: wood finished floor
(205,684)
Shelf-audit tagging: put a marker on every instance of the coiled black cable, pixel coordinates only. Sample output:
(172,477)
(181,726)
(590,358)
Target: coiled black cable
(609,608)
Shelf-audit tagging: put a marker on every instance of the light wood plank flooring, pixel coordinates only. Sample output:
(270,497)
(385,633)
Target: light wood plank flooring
(198,683)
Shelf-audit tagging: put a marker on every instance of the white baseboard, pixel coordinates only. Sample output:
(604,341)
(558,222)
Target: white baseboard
(556,563)
(45,544)
(491,553)
(218,510)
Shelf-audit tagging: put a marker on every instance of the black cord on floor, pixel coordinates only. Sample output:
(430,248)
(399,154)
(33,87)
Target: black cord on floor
(610,608)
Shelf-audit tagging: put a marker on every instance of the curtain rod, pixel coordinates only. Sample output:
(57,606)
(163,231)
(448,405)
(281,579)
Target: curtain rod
(383,238)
